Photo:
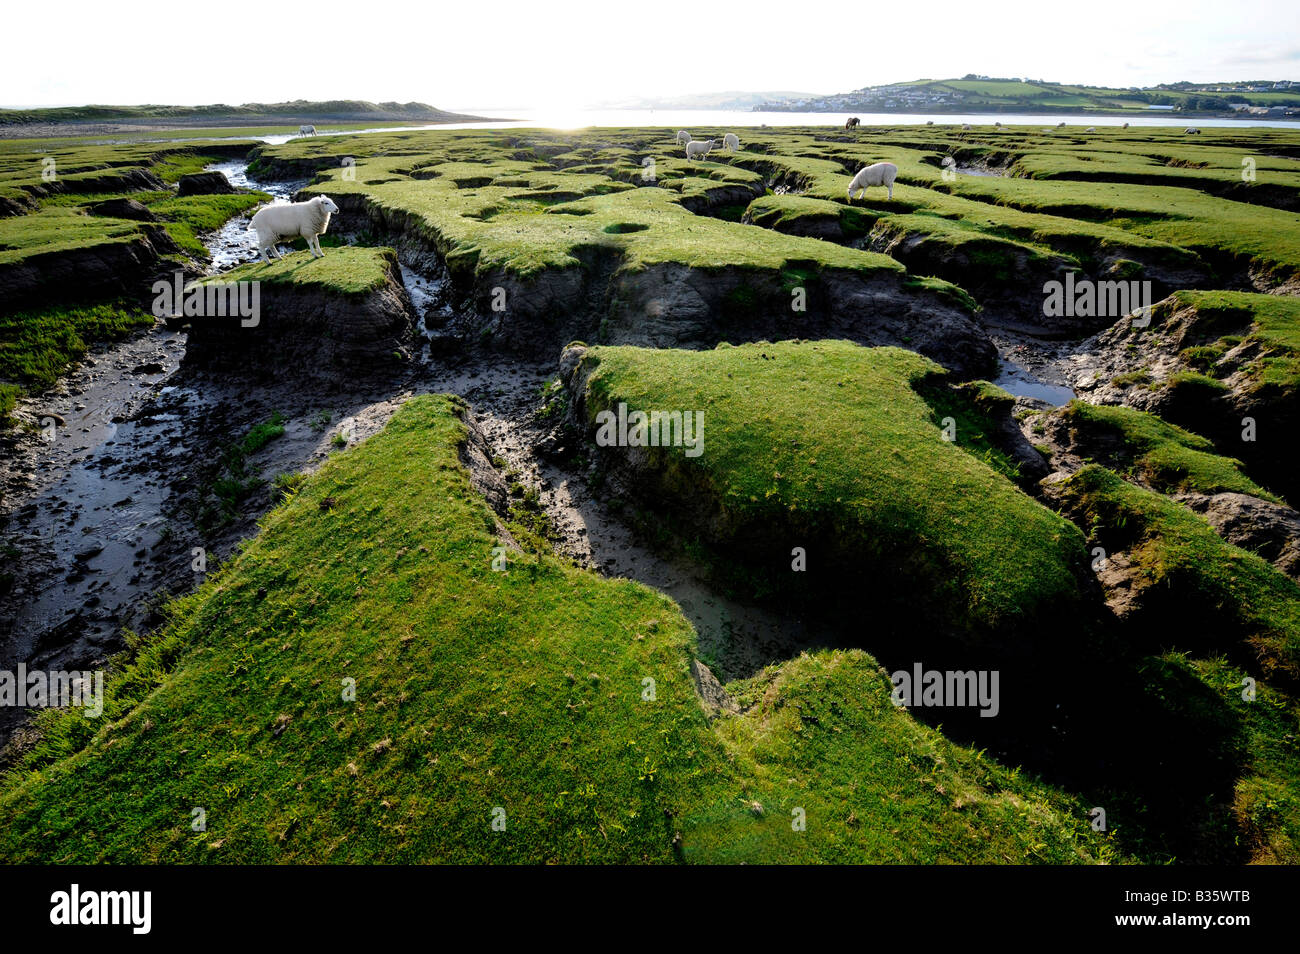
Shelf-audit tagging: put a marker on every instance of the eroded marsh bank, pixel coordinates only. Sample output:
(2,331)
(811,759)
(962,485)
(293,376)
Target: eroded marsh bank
(970,551)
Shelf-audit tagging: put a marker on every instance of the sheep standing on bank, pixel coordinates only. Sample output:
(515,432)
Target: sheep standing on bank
(853,123)
(731,142)
(306,130)
(879,174)
(1125,126)
(1192,131)
(699,148)
(1092,129)
(683,137)
(965,127)
(308,219)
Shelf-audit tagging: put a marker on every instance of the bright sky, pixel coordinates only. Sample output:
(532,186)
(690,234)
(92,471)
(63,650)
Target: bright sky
(510,53)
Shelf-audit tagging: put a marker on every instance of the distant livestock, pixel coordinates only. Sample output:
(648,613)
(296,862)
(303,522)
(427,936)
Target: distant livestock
(929,122)
(683,137)
(1060,125)
(699,148)
(965,127)
(879,174)
(1125,126)
(731,142)
(307,219)
(1091,129)
(1192,131)
(853,123)
(306,130)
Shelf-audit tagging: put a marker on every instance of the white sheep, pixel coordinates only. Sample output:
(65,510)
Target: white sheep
(1192,131)
(965,127)
(699,148)
(306,130)
(683,137)
(731,142)
(1091,129)
(308,219)
(880,173)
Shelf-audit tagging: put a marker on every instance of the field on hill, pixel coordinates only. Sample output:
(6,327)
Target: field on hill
(498,493)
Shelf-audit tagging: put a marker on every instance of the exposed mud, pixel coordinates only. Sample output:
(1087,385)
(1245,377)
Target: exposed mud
(107,509)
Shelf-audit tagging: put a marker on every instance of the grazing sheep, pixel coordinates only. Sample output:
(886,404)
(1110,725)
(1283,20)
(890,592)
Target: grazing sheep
(965,127)
(881,173)
(853,123)
(1091,129)
(306,130)
(309,219)
(731,142)
(998,124)
(699,148)
(929,122)
(1125,126)
(1192,131)
(683,137)
(1060,125)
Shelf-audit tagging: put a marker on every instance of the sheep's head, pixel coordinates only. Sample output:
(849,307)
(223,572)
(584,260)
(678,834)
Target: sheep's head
(328,204)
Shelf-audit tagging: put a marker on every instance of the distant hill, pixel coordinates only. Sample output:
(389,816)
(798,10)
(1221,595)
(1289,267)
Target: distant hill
(220,114)
(1023,95)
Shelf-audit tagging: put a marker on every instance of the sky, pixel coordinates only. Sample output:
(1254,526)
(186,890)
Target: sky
(507,54)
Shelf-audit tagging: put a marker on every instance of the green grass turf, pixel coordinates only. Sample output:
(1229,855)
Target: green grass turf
(1271,321)
(831,441)
(37,347)
(478,690)
(1166,457)
(1201,590)
(345,270)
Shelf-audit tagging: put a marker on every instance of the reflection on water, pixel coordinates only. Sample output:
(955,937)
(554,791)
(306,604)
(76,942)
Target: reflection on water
(1020,382)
